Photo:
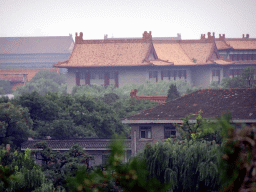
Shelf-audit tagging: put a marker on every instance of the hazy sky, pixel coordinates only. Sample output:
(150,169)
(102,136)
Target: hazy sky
(127,18)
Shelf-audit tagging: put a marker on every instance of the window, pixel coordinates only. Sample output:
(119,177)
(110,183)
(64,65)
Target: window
(82,75)
(152,74)
(93,75)
(216,75)
(145,133)
(174,74)
(169,131)
(234,72)
(112,75)
(101,75)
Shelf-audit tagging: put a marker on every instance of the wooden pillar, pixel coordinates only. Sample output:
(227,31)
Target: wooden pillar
(116,80)
(106,80)
(87,78)
(78,78)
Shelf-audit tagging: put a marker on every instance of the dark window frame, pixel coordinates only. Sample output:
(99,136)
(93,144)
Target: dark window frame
(169,131)
(145,130)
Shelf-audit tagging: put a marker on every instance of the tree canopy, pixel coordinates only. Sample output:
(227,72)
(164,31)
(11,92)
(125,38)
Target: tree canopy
(43,82)
(15,124)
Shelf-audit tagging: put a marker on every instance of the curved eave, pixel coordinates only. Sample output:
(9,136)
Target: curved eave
(180,121)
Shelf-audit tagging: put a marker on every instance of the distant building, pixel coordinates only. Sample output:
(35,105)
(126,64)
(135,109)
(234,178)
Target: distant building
(98,148)
(34,52)
(19,77)
(154,38)
(159,123)
(126,61)
(22,57)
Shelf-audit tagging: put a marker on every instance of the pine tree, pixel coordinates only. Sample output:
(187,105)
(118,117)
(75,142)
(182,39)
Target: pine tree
(172,93)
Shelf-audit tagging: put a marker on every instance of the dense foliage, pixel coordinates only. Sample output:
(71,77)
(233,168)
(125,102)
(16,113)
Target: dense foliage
(59,166)
(188,165)
(117,175)
(67,116)
(172,93)
(5,87)
(20,173)
(43,82)
(149,88)
(246,79)
(15,124)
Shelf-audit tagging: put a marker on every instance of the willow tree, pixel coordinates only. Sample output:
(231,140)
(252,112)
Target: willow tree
(187,165)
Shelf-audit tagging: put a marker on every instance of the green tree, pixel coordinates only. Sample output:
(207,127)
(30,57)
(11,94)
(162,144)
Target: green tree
(172,93)
(59,79)
(26,175)
(15,124)
(188,165)
(244,80)
(5,87)
(43,82)
(58,166)
(116,176)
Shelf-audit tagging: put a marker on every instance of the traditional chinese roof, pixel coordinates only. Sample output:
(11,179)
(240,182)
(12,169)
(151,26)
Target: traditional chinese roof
(240,103)
(242,43)
(222,45)
(21,76)
(86,144)
(33,45)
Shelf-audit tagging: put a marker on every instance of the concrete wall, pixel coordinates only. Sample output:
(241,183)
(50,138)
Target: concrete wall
(138,144)
(71,79)
(201,76)
(126,75)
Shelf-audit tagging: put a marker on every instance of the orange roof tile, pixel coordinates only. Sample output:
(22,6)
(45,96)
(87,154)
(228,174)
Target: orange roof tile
(17,74)
(198,51)
(222,61)
(222,45)
(172,52)
(107,54)
(25,45)
(242,43)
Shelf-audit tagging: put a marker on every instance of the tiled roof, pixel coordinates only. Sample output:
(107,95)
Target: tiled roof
(172,52)
(242,43)
(31,45)
(16,75)
(222,45)
(13,73)
(222,61)
(199,51)
(107,54)
(241,103)
(87,144)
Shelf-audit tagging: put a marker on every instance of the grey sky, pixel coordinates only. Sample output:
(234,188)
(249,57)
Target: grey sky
(127,18)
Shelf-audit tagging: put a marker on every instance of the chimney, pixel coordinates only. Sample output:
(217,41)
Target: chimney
(106,37)
(211,37)
(222,37)
(247,36)
(243,36)
(147,36)
(202,36)
(79,39)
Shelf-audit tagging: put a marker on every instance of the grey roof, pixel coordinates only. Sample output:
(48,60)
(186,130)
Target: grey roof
(32,45)
(240,103)
(86,143)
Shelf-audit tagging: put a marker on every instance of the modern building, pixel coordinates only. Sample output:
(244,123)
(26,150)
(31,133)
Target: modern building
(158,123)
